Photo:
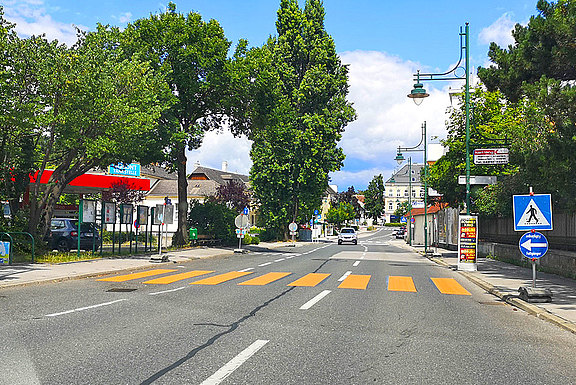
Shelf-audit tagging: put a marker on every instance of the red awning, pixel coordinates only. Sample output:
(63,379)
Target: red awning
(97,181)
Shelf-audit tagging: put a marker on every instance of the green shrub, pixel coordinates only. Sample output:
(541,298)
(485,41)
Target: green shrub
(371,228)
(394,224)
(255,240)
(247,240)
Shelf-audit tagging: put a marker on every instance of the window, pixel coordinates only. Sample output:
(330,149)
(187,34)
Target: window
(55,225)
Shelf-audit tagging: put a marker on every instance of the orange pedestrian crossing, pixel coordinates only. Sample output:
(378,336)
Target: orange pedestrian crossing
(178,277)
(309,280)
(354,281)
(143,274)
(264,279)
(218,279)
(449,286)
(401,284)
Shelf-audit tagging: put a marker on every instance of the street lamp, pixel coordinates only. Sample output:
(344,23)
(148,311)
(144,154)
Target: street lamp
(400,158)
(419,93)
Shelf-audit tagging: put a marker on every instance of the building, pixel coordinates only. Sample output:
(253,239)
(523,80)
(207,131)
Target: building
(397,189)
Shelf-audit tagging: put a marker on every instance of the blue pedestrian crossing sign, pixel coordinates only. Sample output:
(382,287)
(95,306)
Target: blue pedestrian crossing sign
(532,212)
(533,245)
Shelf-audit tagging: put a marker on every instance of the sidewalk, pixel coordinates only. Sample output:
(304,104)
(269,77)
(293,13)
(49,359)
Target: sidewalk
(503,280)
(18,275)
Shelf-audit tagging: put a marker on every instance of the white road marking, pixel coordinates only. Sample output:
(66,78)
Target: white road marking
(342,278)
(280,260)
(246,269)
(167,291)
(314,300)
(234,363)
(265,264)
(292,256)
(356,263)
(85,308)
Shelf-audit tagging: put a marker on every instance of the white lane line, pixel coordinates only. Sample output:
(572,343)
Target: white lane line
(167,291)
(85,308)
(234,363)
(342,278)
(292,256)
(265,264)
(280,260)
(356,263)
(246,269)
(314,300)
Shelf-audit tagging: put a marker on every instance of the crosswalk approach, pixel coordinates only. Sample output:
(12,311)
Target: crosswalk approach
(349,281)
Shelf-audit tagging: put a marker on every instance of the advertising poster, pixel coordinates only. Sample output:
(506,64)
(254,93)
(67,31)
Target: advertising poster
(88,211)
(109,212)
(467,242)
(142,215)
(126,214)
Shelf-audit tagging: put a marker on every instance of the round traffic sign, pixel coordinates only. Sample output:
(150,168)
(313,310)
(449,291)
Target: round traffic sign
(241,221)
(316,212)
(533,245)
(292,227)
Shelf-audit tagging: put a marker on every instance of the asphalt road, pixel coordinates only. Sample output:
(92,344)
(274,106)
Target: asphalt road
(400,329)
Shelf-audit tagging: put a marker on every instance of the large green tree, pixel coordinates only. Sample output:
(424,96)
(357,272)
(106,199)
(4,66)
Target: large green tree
(98,108)
(192,55)
(374,198)
(297,114)
(540,69)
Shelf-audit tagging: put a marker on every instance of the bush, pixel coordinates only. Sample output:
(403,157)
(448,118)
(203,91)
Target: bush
(247,240)
(394,224)
(371,228)
(125,237)
(255,240)
(214,219)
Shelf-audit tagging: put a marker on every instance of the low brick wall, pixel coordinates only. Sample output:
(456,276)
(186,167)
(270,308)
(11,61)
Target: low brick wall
(555,261)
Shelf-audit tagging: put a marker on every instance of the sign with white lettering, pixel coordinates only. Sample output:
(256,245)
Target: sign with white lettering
(491,156)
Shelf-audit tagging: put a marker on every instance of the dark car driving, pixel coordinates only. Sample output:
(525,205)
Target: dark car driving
(63,235)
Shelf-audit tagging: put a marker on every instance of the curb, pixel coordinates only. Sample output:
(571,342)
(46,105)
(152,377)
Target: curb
(534,310)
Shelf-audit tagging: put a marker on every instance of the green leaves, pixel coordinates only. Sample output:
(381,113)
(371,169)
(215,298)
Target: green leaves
(374,197)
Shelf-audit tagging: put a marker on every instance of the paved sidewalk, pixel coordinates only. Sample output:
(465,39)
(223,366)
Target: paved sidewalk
(503,280)
(18,275)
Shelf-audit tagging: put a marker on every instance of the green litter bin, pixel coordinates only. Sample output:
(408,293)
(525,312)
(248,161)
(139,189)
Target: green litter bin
(193,234)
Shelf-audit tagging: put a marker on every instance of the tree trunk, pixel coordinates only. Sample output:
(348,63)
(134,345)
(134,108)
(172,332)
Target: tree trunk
(180,236)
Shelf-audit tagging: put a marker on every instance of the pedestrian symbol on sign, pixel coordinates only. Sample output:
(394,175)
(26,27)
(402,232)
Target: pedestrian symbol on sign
(532,212)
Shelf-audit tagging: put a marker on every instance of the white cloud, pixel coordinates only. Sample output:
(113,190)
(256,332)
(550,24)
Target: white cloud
(31,18)
(219,147)
(499,32)
(125,17)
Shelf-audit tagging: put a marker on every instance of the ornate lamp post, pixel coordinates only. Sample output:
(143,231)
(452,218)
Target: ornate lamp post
(419,93)
(400,158)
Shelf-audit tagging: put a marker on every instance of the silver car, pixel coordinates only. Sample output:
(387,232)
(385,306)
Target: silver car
(347,234)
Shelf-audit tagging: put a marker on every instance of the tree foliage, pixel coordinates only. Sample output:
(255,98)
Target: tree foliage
(349,196)
(233,194)
(374,198)
(340,213)
(212,218)
(297,114)
(403,209)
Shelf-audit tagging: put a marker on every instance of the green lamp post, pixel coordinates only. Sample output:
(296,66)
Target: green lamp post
(400,158)
(419,93)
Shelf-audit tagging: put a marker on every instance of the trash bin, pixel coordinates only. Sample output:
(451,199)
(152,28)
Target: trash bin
(193,234)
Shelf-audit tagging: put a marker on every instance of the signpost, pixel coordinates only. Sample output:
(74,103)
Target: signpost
(467,243)
(533,212)
(293,227)
(242,225)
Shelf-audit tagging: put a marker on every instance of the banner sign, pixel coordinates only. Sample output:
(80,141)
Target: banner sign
(132,169)
(467,241)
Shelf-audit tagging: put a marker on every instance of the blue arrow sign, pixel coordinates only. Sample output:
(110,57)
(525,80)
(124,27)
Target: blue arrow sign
(532,212)
(533,245)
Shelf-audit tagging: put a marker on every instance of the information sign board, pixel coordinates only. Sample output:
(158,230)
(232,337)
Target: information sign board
(4,253)
(467,242)
(142,215)
(126,214)
(109,212)
(491,156)
(88,211)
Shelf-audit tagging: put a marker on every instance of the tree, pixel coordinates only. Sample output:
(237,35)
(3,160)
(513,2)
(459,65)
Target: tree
(98,108)
(234,195)
(212,218)
(539,70)
(192,56)
(343,211)
(374,198)
(124,192)
(349,196)
(297,115)
(403,209)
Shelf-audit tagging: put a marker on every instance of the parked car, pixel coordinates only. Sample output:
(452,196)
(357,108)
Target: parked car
(347,234)
(400,233)
(63,235)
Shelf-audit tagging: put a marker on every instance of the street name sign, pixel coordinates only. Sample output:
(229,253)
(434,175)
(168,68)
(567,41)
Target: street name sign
(532,212)
(533,245)
(491,156)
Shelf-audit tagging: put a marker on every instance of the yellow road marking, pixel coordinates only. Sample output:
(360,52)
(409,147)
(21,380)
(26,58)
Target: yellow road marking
(401,284)
(355,281)
(178,277)
(449,286)
(264,279)
(310,280)
(129,277)
(217,279)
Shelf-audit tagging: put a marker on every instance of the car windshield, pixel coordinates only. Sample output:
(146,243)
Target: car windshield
(84,227)
(344,231)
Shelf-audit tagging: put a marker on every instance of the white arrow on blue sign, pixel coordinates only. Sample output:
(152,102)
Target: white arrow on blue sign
(532,212)
(533,245)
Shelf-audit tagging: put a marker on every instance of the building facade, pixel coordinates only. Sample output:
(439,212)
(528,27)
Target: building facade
(397,190)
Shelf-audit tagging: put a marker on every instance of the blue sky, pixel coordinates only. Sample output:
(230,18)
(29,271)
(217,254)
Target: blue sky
(383,41)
